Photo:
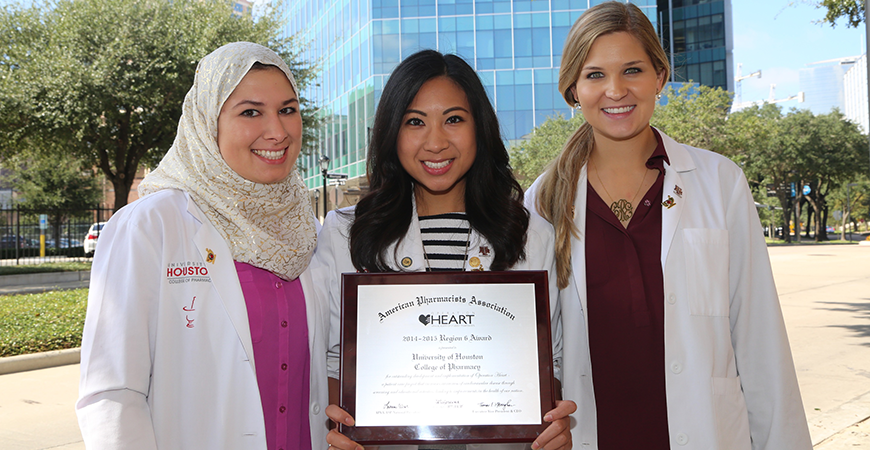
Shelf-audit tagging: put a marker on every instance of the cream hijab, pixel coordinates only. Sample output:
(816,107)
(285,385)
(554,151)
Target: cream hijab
(270,226)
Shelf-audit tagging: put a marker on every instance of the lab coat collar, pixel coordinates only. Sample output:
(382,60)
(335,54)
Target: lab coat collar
(674,192)
(210,244)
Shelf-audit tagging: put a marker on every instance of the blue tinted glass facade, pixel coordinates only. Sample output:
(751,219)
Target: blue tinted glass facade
(698,34)
(515,46)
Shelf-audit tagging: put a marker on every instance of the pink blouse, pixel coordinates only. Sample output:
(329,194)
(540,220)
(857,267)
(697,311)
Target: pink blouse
(279,330)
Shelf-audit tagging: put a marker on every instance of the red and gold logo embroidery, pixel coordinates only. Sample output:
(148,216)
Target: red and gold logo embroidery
(210,257)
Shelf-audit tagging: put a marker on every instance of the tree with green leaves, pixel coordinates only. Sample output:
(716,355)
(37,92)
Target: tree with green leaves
(755,143)
(104,80)
(852,10)
(830,152)
(696,116)
(59,186)
(530,157)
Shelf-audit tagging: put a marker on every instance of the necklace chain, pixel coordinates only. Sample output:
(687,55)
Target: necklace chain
(622,208)
(464,257)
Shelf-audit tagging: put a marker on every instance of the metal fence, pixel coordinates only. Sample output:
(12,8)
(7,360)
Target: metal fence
(31,236)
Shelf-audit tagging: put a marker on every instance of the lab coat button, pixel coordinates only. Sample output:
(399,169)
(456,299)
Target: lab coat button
(672,299)
(315,408)
(676,367)
(682,439)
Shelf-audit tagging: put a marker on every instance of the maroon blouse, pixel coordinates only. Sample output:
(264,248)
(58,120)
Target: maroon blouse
(279,331)
(625,292)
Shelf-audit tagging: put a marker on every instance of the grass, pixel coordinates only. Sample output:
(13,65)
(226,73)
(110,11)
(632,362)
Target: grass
(45,267)
(32,323)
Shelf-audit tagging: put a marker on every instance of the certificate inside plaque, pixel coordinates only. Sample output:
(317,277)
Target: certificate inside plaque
(450,357)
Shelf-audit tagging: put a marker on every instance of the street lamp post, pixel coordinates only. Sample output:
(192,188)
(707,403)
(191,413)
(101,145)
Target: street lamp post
(324,165)
(316,203)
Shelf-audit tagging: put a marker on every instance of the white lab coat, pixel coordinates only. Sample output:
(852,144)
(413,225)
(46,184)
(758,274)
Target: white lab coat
(160,369)
(730,379)
(332,257)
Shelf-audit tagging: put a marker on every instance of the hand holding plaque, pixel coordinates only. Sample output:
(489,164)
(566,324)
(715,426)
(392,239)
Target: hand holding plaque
(454,357)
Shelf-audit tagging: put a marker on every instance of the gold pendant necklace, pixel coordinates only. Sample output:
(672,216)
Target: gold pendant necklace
(621,208)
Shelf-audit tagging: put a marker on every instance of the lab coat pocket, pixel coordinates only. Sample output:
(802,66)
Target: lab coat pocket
(706,253)
(732,418)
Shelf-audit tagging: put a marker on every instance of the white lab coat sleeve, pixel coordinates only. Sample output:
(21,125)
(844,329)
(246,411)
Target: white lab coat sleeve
(541,255)
(118,338)
(764,362)
(331,245)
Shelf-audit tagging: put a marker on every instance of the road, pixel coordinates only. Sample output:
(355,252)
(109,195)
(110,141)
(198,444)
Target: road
(825,296)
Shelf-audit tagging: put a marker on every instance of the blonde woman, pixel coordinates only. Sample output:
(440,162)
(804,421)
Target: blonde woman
(673,335)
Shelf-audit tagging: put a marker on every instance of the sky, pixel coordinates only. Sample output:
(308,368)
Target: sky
(779,37)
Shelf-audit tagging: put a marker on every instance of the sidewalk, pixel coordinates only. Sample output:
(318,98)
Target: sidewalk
(34,283)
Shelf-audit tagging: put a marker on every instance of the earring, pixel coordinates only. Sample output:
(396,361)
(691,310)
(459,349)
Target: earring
(659,96)
(577,106)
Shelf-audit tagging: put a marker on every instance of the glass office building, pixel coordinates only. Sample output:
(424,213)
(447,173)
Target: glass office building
(697,36)
(515,46)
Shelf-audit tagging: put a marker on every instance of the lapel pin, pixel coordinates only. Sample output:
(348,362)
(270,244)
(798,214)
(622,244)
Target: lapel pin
(669,203)
(406,262)
(474,261)
(484,251)
(210,256)
(678,190)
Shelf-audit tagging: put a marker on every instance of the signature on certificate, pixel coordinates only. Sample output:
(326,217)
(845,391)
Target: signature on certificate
(389,405)
(497,405)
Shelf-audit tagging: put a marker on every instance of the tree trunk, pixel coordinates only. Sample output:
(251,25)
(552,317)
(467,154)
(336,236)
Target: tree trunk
(122,191)
(797,219)
(810,219)
(824,220)
(786,214)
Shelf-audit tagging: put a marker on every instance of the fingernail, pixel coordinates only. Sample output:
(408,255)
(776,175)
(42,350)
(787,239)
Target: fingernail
(535,445)
(348,420)
(548,418)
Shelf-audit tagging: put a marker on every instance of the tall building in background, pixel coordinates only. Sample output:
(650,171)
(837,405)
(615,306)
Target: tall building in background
(697,36)
(515,46)
(242,7)
(855,87)
(823,84)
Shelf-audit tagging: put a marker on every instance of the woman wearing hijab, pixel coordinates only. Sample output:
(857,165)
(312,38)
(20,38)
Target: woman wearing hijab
(672,330)
(201,330)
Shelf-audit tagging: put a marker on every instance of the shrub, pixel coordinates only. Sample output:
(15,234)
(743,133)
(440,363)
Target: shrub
(32,323)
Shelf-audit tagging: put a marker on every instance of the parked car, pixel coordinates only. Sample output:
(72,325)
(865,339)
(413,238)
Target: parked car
(91,238)
(830,230)
(778,232)
(64,243)
(10,242)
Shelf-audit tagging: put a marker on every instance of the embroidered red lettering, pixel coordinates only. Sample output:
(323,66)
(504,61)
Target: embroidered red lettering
(191,305)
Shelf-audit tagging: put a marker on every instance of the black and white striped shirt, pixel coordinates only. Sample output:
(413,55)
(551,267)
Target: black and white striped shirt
(445,241)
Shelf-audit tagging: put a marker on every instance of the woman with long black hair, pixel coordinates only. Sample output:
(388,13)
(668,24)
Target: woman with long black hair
(442,197)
